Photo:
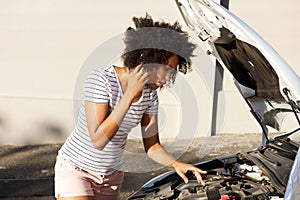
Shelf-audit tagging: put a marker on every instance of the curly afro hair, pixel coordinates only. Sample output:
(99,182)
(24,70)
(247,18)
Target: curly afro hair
(155,42)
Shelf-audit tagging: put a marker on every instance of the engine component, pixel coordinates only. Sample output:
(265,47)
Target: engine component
(231,188)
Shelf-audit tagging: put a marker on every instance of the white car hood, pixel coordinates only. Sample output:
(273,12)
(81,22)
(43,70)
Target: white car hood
(268,84)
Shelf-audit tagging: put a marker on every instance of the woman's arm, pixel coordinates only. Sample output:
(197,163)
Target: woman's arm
(102,125)
(157,153)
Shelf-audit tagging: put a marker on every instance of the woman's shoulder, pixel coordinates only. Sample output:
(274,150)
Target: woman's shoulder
(102,72)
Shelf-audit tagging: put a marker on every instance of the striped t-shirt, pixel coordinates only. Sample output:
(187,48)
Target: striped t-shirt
(102,87)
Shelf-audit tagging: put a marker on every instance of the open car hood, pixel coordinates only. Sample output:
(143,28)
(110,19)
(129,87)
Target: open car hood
(268,84)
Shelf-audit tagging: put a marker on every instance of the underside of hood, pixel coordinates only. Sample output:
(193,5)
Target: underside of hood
(248,66)
(267,83)
(255,78)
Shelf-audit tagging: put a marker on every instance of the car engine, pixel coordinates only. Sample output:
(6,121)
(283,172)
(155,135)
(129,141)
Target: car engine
(238,181)
(256,175)
(250,184)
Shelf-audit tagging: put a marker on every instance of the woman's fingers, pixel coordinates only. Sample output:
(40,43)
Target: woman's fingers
(145,77)
(199,177)
(183,168)
(197,172)
(140,74)
(137,79)
(183,176)
(137,68)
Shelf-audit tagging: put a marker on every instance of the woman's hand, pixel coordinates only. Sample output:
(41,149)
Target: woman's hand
(136,81)
(182,168)
(157,153)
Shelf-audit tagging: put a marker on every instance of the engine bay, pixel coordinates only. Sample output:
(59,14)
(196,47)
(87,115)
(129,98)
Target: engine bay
(256,175)
(237,182)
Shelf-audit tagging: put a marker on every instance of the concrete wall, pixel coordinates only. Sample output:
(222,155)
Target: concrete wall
(46,44)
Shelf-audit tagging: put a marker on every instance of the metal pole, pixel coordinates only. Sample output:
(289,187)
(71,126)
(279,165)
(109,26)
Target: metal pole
(225,3)
(219,73)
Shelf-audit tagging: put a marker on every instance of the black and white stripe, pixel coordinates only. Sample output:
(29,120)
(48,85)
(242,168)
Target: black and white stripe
(102,87)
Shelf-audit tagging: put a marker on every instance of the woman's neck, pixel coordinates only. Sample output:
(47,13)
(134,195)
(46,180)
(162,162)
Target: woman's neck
(122,73)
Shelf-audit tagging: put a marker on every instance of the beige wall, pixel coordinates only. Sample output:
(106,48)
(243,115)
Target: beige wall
(45,43)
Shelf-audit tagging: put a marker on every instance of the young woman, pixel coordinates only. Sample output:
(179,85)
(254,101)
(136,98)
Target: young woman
(116,99)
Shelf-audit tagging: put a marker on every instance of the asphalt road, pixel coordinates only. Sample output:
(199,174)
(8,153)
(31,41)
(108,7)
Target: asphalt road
(26,172)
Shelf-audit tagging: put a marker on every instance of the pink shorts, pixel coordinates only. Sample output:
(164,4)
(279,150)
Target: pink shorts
(71,181)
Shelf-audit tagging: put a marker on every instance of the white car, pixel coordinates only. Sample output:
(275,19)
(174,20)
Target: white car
(271,89)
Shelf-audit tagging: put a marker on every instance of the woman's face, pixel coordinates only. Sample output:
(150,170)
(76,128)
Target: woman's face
(161,74)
